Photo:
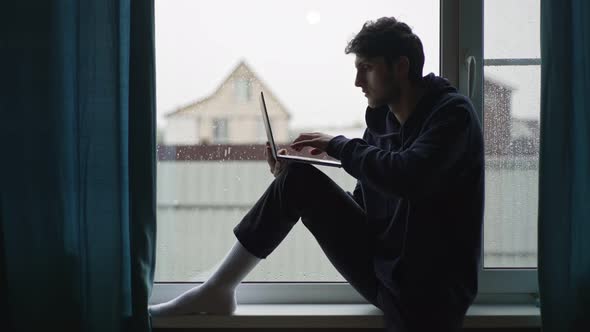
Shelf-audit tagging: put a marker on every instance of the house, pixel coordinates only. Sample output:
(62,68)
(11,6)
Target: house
(506,135)
(230,115)
(497,116)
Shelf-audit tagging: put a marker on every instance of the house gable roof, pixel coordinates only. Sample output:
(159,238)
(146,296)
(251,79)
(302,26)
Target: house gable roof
(242,65)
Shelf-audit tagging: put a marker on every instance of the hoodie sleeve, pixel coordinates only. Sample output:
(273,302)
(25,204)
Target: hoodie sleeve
(417,171)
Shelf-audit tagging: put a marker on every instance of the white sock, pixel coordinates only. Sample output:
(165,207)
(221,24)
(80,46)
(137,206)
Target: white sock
(217,294)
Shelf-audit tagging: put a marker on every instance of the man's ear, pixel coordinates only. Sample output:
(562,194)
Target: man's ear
(402,66)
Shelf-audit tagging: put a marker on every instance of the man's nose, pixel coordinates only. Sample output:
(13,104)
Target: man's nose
(358,81)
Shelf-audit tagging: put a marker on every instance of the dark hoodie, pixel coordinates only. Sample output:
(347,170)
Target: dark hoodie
(422,187)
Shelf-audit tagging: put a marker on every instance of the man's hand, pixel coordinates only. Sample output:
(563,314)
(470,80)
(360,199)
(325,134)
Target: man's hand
(276,166)
(318,141)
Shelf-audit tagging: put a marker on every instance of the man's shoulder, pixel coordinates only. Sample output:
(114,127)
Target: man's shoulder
(450,100)
(451,105)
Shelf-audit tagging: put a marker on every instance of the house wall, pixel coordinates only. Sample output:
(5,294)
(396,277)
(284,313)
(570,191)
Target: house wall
(181,130)
(243,117)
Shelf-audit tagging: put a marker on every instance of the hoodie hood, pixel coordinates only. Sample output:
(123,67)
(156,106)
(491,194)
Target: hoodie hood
(382,122)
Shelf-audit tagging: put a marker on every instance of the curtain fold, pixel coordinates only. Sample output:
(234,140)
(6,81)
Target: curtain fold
(77,119)
(564,185)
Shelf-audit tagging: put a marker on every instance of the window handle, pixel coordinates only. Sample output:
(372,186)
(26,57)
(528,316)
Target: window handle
(471,64)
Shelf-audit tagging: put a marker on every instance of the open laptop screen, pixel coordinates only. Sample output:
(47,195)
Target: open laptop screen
(267,127)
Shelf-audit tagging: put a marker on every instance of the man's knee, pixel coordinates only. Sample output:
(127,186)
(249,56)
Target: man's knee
(300,176)
(299,169)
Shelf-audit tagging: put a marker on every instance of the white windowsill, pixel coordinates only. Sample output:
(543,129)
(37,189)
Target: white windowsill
(342,316)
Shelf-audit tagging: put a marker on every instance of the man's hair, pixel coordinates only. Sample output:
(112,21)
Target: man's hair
(391,39)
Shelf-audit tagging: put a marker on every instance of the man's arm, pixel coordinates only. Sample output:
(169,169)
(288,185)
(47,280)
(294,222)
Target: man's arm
(417,171)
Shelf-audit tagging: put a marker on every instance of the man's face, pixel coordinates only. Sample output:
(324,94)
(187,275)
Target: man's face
(378,80)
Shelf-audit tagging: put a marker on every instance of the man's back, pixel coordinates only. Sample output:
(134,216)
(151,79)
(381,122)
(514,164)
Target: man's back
(423,198)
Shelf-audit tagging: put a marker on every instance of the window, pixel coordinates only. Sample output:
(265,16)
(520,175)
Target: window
(220,131)
(203,191)
(511,102)
(242,90)
(502,79)
(296,55)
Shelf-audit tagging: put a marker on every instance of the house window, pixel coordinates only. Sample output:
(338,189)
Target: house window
(220,132)
(242,90)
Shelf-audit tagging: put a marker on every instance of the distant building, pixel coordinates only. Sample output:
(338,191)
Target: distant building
(525,137)
(505,134)
(497,117)
(230,115)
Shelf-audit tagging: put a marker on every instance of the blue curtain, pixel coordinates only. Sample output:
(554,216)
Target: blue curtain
(564,206)
(77,190)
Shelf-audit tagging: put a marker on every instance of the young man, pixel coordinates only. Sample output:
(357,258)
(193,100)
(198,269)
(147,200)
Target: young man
(408,238)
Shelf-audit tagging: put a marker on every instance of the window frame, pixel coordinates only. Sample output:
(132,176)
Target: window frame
(462,24)
(461,37)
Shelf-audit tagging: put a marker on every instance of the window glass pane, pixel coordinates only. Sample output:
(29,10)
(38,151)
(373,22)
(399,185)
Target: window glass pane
(260,132)
(511,130)
(512,29)
(220,131)
(213,57)
(242,90)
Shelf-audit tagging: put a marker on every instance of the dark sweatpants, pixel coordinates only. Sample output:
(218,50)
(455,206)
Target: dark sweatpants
(337,222)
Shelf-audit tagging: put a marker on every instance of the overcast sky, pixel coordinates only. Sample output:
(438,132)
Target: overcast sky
(297,49)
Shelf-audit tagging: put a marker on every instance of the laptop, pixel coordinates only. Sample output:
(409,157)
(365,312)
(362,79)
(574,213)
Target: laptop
(273,147)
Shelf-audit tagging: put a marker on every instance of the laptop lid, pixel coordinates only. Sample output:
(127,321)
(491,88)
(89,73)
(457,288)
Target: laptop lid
(267,127)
